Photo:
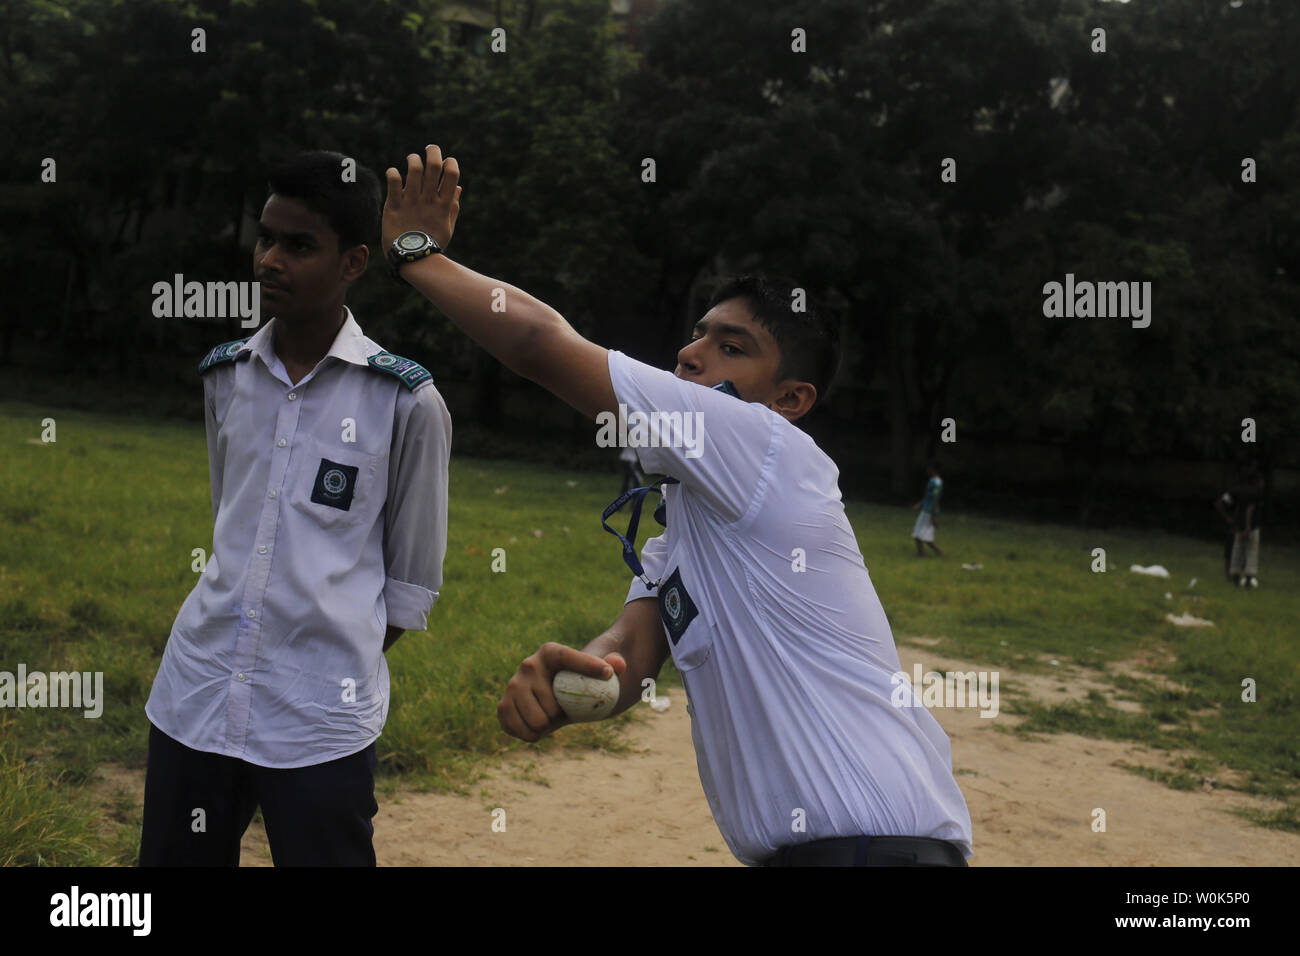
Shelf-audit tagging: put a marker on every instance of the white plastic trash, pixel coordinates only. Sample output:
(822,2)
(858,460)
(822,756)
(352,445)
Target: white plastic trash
(1187,620)
(1156,571)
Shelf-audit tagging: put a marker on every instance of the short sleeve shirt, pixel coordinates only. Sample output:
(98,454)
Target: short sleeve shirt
(785,651)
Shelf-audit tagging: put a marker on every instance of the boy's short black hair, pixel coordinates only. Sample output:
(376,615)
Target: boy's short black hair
(932,464)
(809,342)
(315,178)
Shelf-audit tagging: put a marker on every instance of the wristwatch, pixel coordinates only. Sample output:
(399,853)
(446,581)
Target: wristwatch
(408,247)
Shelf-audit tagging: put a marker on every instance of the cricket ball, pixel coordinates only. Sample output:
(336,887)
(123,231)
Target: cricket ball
(585,698)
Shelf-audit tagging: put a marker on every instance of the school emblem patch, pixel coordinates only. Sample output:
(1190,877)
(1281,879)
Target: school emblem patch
(409,373)
(675,606)
(225,352)
(335,485)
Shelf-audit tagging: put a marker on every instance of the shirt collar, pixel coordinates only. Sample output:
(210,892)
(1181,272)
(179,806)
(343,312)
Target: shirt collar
(349,345)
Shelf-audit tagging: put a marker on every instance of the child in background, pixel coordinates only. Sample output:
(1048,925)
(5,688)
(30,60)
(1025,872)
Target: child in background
(927,521)
(1246,501)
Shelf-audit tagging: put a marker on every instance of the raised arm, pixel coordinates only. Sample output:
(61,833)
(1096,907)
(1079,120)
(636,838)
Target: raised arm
(525,334)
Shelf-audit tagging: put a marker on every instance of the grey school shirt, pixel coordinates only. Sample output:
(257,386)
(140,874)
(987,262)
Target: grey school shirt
(329,503)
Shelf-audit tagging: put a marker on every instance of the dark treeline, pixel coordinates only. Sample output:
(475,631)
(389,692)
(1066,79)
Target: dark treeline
(803,138)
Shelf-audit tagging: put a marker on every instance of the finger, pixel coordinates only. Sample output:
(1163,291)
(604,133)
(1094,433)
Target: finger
(515,725)
(617,662)
(414,174)
(433,164)
(557,657)
(544,695)
(450,177)
(394,181)
(532,714)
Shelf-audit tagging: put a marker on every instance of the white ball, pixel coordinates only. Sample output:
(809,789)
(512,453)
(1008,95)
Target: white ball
(585,698)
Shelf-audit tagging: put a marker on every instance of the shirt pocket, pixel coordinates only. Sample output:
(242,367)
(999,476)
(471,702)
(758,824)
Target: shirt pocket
(335,483)
(686,618)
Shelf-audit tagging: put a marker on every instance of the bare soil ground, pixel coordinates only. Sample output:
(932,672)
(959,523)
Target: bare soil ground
(1031,803)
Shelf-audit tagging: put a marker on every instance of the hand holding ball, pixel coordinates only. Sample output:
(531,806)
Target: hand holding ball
(584,699)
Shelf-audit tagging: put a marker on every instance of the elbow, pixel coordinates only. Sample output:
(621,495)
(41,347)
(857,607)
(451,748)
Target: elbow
(526,361)
(536,352)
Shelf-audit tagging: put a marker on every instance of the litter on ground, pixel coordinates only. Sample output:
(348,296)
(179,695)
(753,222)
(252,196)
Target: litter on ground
(1156,571)
(1187,620)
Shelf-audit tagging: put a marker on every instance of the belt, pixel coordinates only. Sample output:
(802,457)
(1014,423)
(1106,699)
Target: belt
(869,851)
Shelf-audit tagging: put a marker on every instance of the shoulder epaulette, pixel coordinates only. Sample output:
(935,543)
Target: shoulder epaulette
(412,374)
(225,352)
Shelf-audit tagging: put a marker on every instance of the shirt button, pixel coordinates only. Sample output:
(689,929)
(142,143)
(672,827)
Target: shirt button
(273,493)
(282,443)
(242,677)
(292,396)
(261,549)
(252,613)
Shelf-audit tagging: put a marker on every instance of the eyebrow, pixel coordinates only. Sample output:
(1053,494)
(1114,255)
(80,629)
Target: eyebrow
(704,327)
(264,229)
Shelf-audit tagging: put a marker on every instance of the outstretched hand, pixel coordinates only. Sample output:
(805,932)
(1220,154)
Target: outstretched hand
(429,201)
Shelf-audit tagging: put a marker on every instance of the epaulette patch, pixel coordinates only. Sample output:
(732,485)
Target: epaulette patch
(412,374)
(225,352)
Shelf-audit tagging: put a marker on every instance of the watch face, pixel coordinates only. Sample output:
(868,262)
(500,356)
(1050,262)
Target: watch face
(412,241)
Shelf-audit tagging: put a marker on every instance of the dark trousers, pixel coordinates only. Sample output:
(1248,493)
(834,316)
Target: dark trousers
(315,816)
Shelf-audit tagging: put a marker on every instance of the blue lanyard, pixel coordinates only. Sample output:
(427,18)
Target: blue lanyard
(637,497)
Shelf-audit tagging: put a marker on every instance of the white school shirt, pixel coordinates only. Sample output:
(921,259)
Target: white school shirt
(319,543)
(787,672)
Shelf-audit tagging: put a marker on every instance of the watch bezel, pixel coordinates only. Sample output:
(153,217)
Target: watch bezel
(398,257)
(426,240)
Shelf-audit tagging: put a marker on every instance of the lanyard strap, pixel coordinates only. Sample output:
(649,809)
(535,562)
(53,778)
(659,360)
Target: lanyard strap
(637,497)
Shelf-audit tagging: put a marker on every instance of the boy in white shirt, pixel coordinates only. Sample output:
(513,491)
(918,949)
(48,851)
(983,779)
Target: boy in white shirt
(756,588)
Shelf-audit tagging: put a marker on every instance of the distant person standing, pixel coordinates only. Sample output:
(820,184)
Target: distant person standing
(1246,500)
(927,521)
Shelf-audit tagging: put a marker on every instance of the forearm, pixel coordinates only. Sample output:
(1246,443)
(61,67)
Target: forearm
(632,637)
(515,336)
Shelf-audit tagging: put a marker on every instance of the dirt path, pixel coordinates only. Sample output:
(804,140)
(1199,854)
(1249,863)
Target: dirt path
(1031,803)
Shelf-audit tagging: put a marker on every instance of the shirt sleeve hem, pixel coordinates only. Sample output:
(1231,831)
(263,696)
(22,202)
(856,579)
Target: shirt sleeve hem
(408,604)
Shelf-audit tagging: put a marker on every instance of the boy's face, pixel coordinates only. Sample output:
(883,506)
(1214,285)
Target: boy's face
(296,259)
(728,344)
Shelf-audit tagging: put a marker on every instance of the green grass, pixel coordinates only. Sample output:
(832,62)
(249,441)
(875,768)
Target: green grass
(96,540)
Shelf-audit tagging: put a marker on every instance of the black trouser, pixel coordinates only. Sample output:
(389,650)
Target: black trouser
(315,816)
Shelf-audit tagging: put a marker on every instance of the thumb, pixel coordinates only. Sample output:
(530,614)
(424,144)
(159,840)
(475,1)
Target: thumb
(617,662)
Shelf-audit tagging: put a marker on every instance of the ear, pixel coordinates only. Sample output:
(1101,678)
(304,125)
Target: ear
(794,399)
(354,262)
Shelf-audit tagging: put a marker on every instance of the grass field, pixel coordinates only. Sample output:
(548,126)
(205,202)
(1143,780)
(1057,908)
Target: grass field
(96,538)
